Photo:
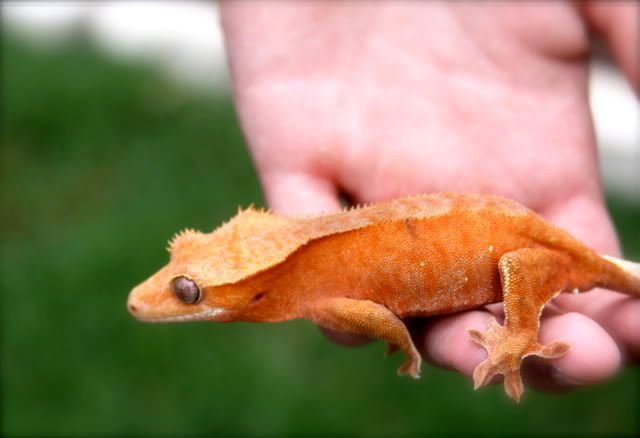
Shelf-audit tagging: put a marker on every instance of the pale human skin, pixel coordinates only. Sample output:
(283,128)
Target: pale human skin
(379,100)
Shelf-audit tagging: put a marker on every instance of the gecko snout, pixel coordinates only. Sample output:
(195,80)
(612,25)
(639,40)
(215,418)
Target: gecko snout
(138,309)
(135,305)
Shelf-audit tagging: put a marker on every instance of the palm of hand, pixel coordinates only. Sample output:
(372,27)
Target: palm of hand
(378,111)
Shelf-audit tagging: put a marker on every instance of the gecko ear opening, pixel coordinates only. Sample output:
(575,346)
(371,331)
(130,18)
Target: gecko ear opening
(186,290)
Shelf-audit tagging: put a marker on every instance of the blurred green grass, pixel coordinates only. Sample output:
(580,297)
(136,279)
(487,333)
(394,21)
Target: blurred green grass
(101,163)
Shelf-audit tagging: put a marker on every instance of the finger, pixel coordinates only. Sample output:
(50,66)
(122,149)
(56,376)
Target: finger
(300,193)
(445,341)
(593,356)
(617,313)
(587,219)
(617,23)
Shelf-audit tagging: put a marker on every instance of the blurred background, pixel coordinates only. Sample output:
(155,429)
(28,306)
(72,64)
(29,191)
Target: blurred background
(117,131)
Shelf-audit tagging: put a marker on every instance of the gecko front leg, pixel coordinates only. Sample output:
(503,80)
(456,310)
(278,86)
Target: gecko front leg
(371,319)
(530,277)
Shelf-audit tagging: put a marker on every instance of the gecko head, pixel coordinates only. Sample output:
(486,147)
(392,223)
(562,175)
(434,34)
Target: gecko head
(172,295)
(204,277)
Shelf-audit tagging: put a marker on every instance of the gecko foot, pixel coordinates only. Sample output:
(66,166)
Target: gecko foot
(506,351)
(411,365)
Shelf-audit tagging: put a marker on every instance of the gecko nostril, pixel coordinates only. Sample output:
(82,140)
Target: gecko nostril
(133,308)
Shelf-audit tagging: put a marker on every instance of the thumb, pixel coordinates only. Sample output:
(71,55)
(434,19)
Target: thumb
(300,193)
(617,23)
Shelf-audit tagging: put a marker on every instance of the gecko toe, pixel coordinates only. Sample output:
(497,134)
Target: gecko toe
(411,366)
(476,336)
(493,324)
(513,385)
(406,371)
(483,374)
(554,350)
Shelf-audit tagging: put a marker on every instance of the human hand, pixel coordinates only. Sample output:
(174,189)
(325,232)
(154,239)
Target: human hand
(375,101)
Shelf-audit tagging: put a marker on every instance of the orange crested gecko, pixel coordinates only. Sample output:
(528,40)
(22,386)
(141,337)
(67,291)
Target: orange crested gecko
(362,270)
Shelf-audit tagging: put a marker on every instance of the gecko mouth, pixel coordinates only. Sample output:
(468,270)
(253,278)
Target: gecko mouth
(203,315)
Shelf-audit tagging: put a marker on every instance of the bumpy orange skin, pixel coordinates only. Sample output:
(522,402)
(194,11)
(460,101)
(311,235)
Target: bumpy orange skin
(363,270)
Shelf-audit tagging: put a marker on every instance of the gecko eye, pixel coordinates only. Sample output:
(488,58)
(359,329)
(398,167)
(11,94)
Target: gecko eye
(186,290)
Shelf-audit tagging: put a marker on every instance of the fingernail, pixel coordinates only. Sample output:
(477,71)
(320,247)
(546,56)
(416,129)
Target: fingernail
(561,378)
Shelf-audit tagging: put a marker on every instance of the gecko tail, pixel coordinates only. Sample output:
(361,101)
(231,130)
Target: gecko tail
(625,277)
(631,268)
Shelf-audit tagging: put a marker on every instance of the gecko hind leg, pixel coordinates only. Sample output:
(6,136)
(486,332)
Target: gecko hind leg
(530,278)
(391,349)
